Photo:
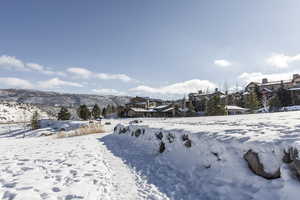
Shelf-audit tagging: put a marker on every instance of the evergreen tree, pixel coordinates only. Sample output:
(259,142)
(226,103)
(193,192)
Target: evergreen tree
(120,111)
(64,114)
(274,103)
(35,121)
(258,95)
(240,101)
(113,109)
(191,107)
(215,107)
(96,111)
(284,97)
(108,109)
(104,113)
(252,102)
(83,112)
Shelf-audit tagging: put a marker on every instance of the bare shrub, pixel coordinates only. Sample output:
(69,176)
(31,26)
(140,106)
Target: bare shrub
(84,130)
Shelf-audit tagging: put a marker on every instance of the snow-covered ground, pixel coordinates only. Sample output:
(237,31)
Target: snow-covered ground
(127,164)
(214,166)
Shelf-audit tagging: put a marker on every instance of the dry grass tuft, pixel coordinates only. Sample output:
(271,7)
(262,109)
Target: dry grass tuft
(86,130)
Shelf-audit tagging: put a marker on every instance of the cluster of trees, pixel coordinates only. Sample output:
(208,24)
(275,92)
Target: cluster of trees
(85,113)
(215,106)
(281,98)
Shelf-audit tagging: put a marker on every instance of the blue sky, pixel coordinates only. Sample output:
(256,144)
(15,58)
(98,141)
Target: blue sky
(156,48)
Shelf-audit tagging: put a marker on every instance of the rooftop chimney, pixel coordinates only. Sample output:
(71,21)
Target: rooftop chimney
(264,80)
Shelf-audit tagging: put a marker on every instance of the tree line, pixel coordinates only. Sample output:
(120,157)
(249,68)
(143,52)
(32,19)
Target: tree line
(85,113)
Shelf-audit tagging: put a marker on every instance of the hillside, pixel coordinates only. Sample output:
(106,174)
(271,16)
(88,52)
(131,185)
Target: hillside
(50,102)
(19,112)
(60,99)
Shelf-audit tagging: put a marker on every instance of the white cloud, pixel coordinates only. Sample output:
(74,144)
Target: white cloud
(222,63)
(11,62)
(107,91)
(15,82)
(79,72)
(177,88)
(35,67)
(281,60)
(122,77)
(56,83)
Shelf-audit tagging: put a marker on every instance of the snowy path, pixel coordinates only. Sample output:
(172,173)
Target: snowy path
(67,169)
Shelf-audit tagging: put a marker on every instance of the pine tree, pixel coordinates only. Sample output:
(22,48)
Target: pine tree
(104,113)
(284,97)
(83,112)
(252,102)
(96,111)
(258,95)
(191,107)
(35,121)
(274,103)
(215,107)
(108,109)
(64,114)
(113,109)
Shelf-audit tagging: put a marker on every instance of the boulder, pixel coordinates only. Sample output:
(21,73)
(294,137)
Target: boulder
(257,167)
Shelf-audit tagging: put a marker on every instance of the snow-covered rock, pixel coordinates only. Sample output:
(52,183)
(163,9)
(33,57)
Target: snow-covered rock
(212,165)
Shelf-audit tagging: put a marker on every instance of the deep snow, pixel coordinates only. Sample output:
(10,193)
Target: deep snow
(122,166)
(71,168)
(214,167)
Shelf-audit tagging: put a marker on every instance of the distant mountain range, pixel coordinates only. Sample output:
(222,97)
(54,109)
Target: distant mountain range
(60,99)
(51,102)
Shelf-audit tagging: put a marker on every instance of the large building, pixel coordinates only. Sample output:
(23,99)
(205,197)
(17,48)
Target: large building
(148,107)
(274,85)
(268,88)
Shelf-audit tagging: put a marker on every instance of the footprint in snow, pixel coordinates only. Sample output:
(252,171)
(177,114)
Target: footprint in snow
(9,185)
(8,195)
(73,197)
(56,189)
(25,188)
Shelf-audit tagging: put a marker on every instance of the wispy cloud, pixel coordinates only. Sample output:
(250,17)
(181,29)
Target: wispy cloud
(53,83)
(177,88)
(84,73)
(57,83)
(222,63)
(40,68)
(79,72)
(107,91)
(281,60)
(12,63)
(16,82)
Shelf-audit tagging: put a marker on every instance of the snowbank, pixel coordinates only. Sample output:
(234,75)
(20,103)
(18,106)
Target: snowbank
(204,158)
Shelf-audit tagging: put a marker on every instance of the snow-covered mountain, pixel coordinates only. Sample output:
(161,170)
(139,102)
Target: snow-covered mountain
(19,112)
(50,102)
(60,99)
